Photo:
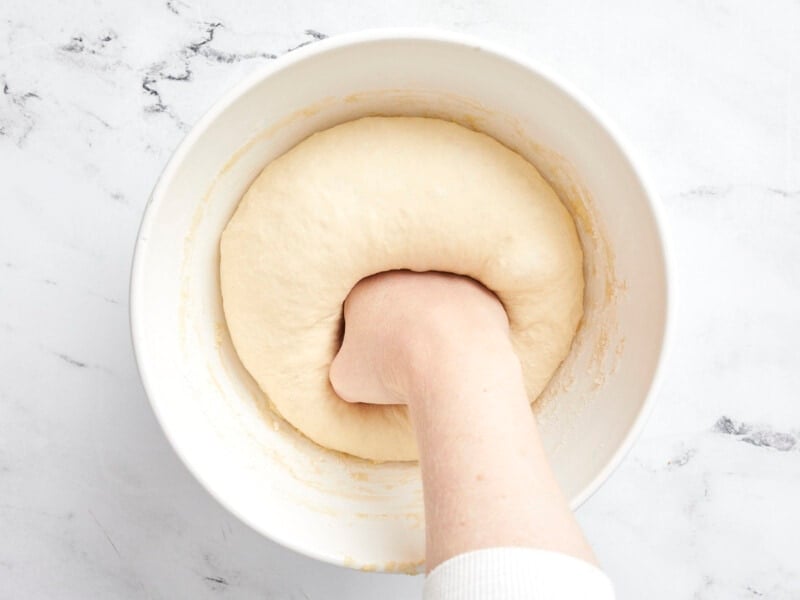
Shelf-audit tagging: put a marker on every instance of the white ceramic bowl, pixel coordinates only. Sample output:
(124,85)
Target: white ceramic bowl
(327,505)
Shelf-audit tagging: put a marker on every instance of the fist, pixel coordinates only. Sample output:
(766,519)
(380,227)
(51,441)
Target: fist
(402,328)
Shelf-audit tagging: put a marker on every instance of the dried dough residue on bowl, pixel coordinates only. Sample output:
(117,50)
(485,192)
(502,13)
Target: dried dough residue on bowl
(596,348)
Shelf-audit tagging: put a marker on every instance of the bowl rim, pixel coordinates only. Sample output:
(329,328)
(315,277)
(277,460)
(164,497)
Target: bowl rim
(423,34)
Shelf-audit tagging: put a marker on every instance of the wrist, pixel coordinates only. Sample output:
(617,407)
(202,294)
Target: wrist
(461,369)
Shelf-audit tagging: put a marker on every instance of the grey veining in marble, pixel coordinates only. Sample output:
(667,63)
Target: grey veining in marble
(95,95)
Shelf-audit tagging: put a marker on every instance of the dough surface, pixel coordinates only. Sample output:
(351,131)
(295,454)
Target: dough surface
(373,195)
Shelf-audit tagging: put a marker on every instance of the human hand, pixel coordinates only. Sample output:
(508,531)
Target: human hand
(404,328)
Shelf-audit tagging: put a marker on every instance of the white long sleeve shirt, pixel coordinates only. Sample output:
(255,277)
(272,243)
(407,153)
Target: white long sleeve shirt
(517,574)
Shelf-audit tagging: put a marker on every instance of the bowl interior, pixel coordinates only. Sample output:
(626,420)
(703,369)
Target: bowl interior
(328,505)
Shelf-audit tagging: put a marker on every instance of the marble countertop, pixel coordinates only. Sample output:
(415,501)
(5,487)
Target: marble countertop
(95,95)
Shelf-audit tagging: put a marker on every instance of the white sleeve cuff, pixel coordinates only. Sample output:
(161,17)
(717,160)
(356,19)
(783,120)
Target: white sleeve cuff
(517,574)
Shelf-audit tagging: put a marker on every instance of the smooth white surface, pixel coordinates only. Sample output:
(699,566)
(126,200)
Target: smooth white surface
(330,506)
(92,499)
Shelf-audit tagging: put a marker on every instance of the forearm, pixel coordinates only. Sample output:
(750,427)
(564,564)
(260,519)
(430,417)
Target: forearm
(440,343)
(486,478)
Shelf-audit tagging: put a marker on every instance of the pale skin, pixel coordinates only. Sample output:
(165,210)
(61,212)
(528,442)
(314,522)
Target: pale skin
(440,344)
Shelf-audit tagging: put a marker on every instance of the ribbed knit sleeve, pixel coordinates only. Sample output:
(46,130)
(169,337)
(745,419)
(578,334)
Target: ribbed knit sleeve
(517,574)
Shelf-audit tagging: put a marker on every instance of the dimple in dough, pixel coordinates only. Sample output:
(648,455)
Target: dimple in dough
(373,195)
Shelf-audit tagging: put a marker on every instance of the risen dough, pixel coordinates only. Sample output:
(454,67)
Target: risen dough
(374,195)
